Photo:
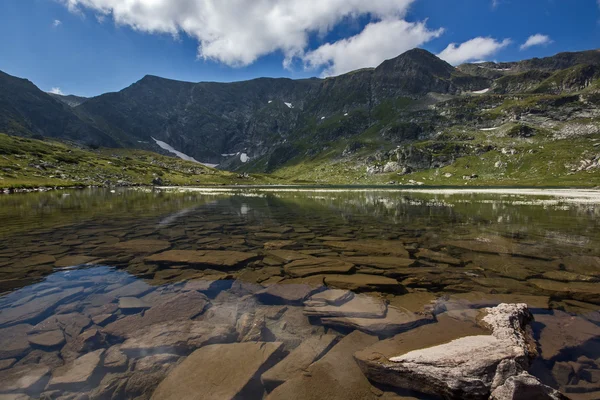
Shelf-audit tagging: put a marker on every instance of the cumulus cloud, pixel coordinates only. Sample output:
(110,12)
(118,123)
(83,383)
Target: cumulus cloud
(377,42)
(237,32)
(56,90)
(475,49)
(56,23)
(536,40)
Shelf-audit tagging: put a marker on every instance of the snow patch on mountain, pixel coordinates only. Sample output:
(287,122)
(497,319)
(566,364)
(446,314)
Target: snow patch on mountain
(290,105)
(183,156)
(244,158)
(482,91)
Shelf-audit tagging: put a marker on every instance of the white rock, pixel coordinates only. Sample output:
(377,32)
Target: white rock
(469,367)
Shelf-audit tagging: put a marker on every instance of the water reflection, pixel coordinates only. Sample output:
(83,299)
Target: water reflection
(106,289)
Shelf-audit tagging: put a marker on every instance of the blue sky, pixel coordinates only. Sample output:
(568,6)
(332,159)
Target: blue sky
(88,47)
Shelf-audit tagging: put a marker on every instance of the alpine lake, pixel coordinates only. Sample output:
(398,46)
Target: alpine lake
(285,292)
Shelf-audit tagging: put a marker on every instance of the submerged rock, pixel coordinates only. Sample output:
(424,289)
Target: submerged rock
(155,362)
(71,324)
(132,303)
(501,245)
(332,297)
(13,341)
(372,246)
(315,266)
(381,262)
(70,261)
(36,308)
(115,358)
(364,282)
(128,385)
(76,374)
(218,371)
(4,364)
(562,332)
(525,387)
(587,265)
(438,257)
(51,359)
(47,339)
(395,320)
(297,361)
(583,291)
(251,328)
(176,337)
(335,376)
(143,246)
(360,306)
(465,368)
(213,258)
(133,289)
(288,255)
(285,293)
(183,306)
(23,378)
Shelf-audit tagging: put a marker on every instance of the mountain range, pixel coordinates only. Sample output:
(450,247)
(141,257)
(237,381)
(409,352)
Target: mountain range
(412,113)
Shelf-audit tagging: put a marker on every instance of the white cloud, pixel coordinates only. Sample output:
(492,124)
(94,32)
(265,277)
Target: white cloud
(56,23)
(237,32)
(377,42)
(536,40)
(56,90)
(475,49)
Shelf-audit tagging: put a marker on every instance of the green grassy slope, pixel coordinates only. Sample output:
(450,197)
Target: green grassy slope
(34,163)
(507,152)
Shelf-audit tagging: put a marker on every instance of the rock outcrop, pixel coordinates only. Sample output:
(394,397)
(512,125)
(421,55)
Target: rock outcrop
(469,367)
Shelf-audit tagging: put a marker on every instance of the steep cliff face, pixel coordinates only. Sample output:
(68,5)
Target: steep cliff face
(206,120)
(203,120)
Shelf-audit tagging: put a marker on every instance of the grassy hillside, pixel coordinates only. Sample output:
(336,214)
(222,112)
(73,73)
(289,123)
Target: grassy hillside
(33,163)
(507,141)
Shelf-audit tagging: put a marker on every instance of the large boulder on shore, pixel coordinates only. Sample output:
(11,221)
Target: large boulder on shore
(469,367)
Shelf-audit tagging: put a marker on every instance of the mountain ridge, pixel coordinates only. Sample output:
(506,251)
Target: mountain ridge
(280,122)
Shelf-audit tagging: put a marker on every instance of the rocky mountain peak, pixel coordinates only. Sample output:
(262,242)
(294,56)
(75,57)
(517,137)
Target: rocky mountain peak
(418,60)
